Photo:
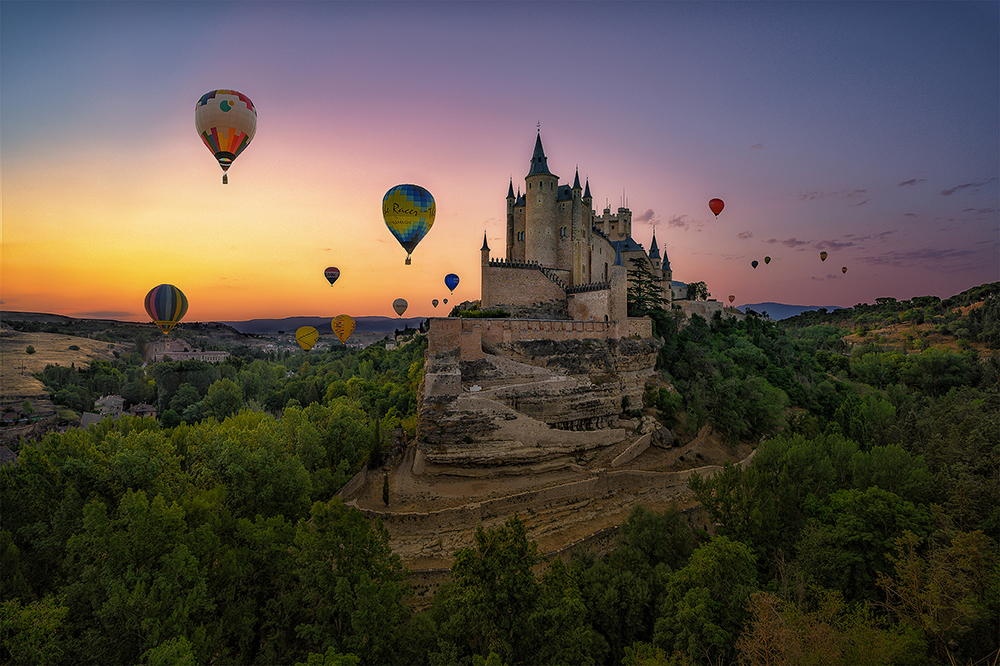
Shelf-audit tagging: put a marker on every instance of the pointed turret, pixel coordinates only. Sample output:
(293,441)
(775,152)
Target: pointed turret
(586,192)
(484,252)
(654,253)
(510,189)
(576,181)
(539,163)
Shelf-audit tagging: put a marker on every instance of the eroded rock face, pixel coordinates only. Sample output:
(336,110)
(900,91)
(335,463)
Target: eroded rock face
(541,404)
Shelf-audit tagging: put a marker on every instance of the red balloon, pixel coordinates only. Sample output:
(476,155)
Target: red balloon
(716,206)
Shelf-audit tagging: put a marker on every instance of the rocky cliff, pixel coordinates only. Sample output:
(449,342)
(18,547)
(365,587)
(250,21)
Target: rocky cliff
(529,405)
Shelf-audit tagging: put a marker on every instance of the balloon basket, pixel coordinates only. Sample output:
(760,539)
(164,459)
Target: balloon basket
(225,179)
(407,261)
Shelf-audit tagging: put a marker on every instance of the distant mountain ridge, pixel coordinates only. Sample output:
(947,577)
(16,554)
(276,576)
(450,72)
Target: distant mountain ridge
(777,311)
(322,324)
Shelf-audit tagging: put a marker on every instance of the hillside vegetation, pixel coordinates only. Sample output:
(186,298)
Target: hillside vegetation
(864,531)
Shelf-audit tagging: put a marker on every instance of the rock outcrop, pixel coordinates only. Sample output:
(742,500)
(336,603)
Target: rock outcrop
(529,405)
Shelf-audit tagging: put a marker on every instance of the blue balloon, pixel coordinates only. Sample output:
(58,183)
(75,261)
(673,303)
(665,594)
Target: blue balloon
(451,281)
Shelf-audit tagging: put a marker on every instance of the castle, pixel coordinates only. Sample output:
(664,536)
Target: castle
(563,261)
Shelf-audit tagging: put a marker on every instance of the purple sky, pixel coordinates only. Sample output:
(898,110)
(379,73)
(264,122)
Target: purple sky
(870,130)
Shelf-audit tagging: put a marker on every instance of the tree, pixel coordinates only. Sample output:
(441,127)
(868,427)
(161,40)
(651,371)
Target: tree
(697,291)
(495,593)
(704,604)
(29,349)
(350,582)
(385,488)
(224,398)
(644,296)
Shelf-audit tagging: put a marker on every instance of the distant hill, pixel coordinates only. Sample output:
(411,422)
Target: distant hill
(777,311)
(379,325)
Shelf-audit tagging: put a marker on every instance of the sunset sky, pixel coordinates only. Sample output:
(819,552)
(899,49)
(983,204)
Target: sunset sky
(870,130)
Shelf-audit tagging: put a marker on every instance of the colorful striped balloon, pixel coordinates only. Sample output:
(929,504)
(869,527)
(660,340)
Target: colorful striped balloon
(166,305)
(226,120)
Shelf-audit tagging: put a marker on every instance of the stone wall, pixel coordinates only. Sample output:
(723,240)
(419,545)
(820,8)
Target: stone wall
(514,283)
(590,305)
(707,309)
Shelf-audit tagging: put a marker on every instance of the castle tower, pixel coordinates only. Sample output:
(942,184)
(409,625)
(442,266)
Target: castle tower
(668,279)
(654,256)
(511,231)
(540,228)
(580,236)
(486,294)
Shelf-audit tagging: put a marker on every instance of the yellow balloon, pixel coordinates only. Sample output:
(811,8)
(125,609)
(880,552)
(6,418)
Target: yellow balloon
(409,212)
(306,336)
(343,326)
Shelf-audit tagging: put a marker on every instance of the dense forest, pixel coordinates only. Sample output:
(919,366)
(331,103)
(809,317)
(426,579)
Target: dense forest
(866,529)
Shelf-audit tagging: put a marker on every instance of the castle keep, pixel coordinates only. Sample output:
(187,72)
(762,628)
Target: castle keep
(563,261)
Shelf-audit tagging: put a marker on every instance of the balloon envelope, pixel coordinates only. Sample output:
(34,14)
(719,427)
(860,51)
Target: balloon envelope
(409,213)
(306,336)
(822,256)
(399,305)
(166,305)
(716,206)
(731,298)
(331,274)
(843,269)
(446,301)
(451,281)
(343,326)
(226,120)
(755,263)
(767,260)
(434,302)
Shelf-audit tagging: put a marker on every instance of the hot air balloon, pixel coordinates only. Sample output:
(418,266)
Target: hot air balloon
(331,274)
(409,213)
(716,206)
(434,302)
(843,269)
(343,326)
(226,121)
(755,264)
(451,281)
(822,256)
(399,305)
(446,301)
(767,260)
(731,298)
(166,305)
(306,336)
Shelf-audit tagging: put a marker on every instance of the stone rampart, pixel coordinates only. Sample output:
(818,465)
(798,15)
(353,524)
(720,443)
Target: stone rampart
(469,335)
(517,284)
(707,309)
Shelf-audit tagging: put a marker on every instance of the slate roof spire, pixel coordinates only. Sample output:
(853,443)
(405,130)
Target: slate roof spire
(539,163)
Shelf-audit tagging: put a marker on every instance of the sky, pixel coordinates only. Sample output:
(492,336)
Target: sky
(869,130)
